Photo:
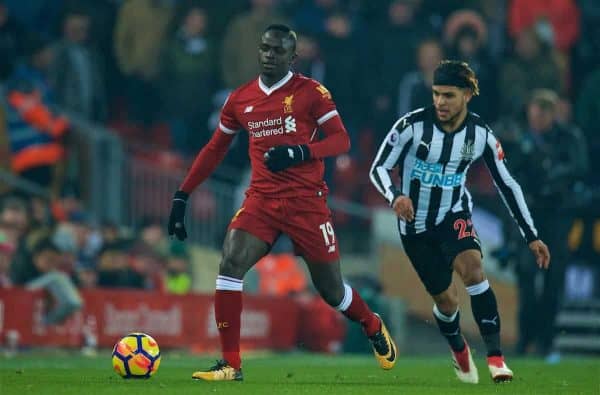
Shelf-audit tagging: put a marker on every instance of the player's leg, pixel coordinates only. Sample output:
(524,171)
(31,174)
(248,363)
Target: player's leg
(327,279)
(248,239)
(241,251)
(435,271)
(447,316)
(461,248)
(483,301)
(309,226)
(485,310)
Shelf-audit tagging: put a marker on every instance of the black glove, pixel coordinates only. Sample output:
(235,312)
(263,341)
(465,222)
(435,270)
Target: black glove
(176,218)
(284,156)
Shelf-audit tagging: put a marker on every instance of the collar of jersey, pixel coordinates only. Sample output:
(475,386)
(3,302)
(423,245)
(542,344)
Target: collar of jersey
(268,90)
(458,128)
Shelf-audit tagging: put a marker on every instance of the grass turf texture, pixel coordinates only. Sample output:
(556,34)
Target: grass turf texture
(291,374)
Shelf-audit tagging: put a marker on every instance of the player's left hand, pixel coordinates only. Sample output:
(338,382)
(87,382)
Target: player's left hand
(281,157)
(177,216)
(541,252)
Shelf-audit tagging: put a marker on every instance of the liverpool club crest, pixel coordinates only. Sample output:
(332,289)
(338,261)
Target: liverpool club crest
(287,104)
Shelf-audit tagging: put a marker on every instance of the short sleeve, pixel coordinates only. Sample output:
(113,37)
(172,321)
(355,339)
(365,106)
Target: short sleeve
(228,122)
(322,107)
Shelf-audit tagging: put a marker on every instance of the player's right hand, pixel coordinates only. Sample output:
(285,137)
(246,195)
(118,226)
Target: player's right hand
(403,207)
(176,218)
(541,252)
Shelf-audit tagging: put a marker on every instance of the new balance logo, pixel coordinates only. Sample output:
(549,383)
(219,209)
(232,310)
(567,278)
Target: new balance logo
(290,124)
(493,321)
(248,109)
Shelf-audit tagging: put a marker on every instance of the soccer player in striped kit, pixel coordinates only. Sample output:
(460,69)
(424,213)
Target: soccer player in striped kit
(433,148)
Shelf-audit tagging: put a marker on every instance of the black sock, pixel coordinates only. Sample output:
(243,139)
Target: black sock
(450,329)
(485,311)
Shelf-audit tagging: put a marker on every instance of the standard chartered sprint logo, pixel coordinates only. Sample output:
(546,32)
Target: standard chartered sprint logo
(272,126)
(432,174)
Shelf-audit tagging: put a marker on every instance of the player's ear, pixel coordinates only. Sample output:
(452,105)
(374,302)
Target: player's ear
(468,94)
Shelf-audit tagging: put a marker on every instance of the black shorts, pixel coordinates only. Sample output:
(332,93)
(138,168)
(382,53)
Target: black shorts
(432,252)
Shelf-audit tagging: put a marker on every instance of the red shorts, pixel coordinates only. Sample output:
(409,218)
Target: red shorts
(306,221)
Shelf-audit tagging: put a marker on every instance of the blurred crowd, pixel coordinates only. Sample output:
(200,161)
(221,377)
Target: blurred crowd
(57,246)
(158,72)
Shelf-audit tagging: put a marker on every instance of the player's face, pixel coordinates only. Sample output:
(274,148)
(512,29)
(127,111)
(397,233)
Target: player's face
(275,54)
(449,101)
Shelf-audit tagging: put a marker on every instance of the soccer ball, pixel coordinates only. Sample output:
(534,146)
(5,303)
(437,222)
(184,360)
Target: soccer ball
(136,356)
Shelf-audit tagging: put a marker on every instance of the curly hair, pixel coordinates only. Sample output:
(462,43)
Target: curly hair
(457,73)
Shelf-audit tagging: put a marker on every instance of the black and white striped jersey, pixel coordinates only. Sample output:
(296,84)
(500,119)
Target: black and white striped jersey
(433,166)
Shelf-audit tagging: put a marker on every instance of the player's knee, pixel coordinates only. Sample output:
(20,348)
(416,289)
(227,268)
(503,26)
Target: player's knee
(332,292)
(332,297)
(469,267)
(232,265)
(446,302)
(473,276)
(447,307)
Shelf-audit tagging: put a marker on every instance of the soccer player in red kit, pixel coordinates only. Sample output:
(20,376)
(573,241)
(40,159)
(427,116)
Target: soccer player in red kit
(282,112)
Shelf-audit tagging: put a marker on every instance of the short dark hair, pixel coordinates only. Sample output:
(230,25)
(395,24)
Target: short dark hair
(456,73)
(290,34)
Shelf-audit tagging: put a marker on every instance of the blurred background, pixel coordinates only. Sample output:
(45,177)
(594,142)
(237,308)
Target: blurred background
(104,104)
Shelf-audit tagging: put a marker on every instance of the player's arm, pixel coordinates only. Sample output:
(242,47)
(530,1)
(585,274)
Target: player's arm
(513,198)
(335,142)
(208,159)
(206,162)
(392,151)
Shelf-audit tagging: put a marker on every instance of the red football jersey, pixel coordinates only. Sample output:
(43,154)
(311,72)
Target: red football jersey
(287,113)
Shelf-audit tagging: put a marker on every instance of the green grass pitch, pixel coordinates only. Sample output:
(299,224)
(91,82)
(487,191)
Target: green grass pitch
(291,374)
